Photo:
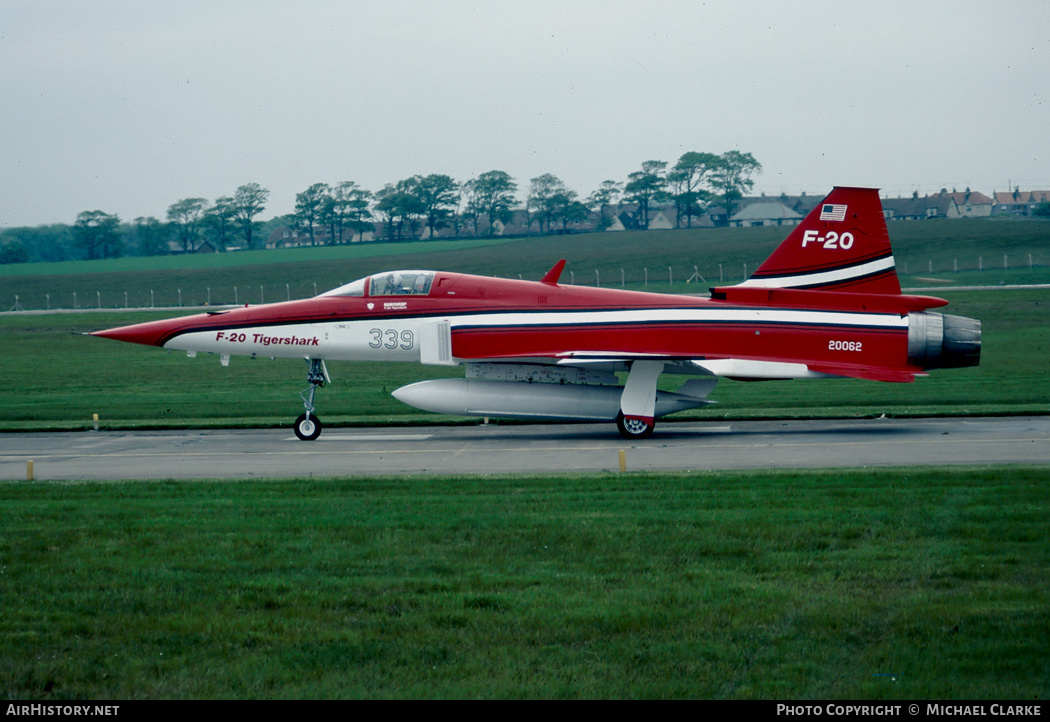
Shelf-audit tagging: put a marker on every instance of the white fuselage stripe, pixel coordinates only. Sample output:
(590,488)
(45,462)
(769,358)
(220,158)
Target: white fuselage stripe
(822,278)
(680,315)
(401,338)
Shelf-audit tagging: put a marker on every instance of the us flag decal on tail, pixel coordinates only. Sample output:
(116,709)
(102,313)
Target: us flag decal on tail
(833,212)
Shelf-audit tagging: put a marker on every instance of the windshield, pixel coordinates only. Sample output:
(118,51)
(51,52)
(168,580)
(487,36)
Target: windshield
(357,288)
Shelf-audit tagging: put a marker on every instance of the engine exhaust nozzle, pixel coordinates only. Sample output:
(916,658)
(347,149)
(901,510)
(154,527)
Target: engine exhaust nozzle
(943,341)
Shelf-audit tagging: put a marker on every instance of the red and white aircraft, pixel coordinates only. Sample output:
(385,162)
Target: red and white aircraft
(826,303)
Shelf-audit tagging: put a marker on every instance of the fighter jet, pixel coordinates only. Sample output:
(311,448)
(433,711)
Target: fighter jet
(827,303)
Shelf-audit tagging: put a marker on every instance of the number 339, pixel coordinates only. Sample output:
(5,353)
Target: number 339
(390,339)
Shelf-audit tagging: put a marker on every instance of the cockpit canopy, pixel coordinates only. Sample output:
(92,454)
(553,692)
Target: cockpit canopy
(400,283)
(392,283)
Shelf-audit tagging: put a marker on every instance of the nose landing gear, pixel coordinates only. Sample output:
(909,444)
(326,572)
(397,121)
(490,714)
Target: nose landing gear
(308,427)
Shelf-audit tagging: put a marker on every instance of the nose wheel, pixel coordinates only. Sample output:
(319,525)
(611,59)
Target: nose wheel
(308,427)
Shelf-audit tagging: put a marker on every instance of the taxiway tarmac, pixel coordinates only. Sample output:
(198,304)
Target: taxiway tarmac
(525,449)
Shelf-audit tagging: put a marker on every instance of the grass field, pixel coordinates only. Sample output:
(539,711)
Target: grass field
(852,584)
(927,254)
(808,585)
(51,377)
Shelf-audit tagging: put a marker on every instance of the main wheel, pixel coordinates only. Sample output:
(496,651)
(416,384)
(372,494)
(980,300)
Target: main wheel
(633,428)
(307,429)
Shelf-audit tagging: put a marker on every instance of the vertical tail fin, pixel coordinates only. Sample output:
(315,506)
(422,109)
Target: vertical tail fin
(842,245)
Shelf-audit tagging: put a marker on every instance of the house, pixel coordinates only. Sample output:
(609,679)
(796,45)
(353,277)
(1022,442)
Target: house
(1018,202)
(904,209)
(765,213)
(285,237)
(658,221)
(942,205)
(662,217)
(801,204)
(718,216)
(916,208)
(175,248)
(971,204)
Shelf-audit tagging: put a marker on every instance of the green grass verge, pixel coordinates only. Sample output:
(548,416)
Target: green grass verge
(790,585)
(51,377)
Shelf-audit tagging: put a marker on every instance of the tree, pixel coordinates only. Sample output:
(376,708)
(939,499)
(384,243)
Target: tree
(438,197)
(732,177)
(13,252)
(152,236)
(607,194)
(547,193)
(686,179)
(493,194)
(43,243)
(185,216)
(347,207)
(1042,210)
(646,187)
(457,217)
(399,205)
(98,235)
(308,206)
(473,209)
(218,222)
(570,209)
(248,202)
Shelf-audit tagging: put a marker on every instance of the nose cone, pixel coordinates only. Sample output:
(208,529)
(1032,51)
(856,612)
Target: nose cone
(151,333)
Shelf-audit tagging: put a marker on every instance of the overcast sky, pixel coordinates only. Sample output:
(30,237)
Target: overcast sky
(127,107)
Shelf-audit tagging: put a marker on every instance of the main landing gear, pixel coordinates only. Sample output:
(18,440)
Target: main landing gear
(634,428)
(638,401)
(307,426)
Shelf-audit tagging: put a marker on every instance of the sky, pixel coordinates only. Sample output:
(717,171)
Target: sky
(130,106)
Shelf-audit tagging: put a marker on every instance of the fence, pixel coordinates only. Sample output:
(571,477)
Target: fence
(684,278)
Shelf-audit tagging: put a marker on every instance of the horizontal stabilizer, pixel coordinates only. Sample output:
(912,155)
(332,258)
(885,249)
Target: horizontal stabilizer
(869,373)
(750,369)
